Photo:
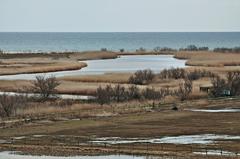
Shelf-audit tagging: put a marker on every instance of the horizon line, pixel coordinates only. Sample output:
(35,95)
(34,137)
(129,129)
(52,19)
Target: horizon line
(120,31)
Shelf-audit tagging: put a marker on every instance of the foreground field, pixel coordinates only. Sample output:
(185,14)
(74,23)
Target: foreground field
(132,120)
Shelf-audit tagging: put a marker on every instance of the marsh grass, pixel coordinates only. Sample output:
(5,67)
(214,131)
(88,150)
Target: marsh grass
(209,59)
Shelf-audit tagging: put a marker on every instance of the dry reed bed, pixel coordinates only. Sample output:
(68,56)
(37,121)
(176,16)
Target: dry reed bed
(106,78)
(41,63)
(41,68)
(209,59)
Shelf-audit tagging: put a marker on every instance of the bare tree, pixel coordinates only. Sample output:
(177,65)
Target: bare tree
(185,89)
(45,86)
(219,85)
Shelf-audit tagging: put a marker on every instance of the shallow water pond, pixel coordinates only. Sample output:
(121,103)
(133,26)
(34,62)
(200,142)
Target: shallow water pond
(215,110)
(122,64)
(184,139)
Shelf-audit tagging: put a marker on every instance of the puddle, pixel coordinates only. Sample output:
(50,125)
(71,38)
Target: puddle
(217,153)
(19,137)
(12,155)
(185,139)
(214,110)
(3,141)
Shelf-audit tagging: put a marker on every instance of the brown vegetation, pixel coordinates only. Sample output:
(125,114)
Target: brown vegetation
(209,59)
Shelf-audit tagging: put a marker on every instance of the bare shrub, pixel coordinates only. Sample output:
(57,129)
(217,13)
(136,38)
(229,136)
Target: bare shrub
(175,73)
(45,86)
(185,89)
(104,95)
(133,92)
(119,93)
(9,104)
(151,93)
(141,77)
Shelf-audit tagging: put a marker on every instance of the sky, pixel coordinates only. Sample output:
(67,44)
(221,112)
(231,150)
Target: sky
(119,15)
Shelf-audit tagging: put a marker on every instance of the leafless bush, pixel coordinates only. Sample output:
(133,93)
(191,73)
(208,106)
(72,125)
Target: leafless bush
(185,89)
(104,95)
(119,93)
(141,49)
(175,73)
(151,93)
(9,104)
(45,86)
(142,77)
(134,92)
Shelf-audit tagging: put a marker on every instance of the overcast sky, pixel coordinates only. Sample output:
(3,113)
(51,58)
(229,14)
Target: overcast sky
(119,15)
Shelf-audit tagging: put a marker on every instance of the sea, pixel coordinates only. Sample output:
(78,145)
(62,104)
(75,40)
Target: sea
(129,41)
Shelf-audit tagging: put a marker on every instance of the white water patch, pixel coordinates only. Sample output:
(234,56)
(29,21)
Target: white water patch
(122,64)
(215,110)
(14,155)
(62,96)
(217,153)
(184,139)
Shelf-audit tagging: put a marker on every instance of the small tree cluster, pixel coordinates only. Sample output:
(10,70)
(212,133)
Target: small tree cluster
(163,49)
(227,50)
(174,73)
(122,50)
(229,86)
(141,77)
(141,49)
(104,49)
(45,86)
(194,48)
(179,73)
(119,93)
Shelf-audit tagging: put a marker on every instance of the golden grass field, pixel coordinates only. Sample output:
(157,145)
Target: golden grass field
(209,59)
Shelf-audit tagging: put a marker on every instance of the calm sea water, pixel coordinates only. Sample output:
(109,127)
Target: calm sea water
(113,41)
